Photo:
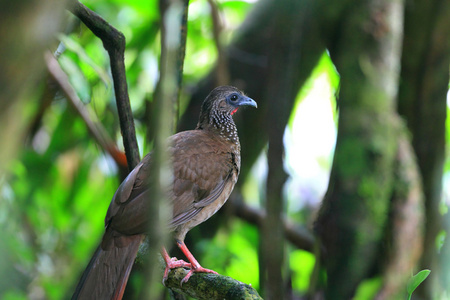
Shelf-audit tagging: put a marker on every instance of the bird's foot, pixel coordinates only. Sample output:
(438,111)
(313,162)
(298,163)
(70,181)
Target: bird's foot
(174,263)
(198,269)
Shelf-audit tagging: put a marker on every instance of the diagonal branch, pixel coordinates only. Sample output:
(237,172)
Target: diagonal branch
(96,130)
(114,43)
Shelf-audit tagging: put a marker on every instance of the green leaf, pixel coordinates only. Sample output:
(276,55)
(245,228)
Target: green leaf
(415,281)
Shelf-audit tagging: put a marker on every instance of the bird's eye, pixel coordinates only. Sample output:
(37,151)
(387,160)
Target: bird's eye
(233,97)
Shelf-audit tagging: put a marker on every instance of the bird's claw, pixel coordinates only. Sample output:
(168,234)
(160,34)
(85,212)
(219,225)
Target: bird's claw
(198,269)
(173,264)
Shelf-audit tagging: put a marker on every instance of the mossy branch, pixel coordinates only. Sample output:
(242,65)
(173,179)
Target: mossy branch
(210,286)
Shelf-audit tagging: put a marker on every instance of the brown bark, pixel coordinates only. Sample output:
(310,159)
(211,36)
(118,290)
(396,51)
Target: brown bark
(403,243)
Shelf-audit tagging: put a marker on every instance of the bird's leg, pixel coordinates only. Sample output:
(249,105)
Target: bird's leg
(172,263)
(196,268)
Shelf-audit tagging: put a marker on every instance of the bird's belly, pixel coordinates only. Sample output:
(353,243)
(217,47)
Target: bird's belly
(211,209)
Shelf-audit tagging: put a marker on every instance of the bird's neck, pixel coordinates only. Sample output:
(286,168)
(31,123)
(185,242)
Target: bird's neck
(223,125)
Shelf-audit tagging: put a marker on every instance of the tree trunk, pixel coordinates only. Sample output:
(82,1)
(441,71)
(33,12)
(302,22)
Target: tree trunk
(352,219)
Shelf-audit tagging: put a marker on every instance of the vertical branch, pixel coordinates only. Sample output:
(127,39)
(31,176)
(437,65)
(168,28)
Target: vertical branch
(173,39)
(181,53)
(273,230)
(222,74)
(281,93)
(117,60)
(114,43)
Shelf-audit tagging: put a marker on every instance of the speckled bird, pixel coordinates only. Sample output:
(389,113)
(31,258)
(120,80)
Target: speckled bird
(206,163)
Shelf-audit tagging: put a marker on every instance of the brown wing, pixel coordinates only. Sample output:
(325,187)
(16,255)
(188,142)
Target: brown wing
(202,165)
(132,186)
(127,212)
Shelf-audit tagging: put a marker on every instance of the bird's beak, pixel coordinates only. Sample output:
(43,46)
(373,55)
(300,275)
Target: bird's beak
(246,101)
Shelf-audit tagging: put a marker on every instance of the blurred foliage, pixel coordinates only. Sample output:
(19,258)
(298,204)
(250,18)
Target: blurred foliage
(368,288)
(302,265)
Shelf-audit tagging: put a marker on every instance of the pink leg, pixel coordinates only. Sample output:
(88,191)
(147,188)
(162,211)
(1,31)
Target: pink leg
(196,268)
(172,263)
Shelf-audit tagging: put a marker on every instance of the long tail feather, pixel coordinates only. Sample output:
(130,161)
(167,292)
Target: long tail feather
(107,273)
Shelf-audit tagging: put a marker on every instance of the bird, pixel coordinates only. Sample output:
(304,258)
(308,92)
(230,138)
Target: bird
(205,167)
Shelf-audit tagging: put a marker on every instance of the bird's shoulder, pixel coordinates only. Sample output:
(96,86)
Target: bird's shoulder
(199,141)
(200,156)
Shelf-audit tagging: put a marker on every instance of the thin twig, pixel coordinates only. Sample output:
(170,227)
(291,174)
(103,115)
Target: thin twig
(114,43)
(94,127)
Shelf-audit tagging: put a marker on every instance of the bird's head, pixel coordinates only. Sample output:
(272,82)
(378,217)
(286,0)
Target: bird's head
(221,104)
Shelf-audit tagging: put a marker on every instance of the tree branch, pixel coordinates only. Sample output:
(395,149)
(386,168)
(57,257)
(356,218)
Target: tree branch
(95,128)
(114,43)
(173,40)
(298,235)
(281,85)
(222,74)
(406,222)
(181,52)
(210,286)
